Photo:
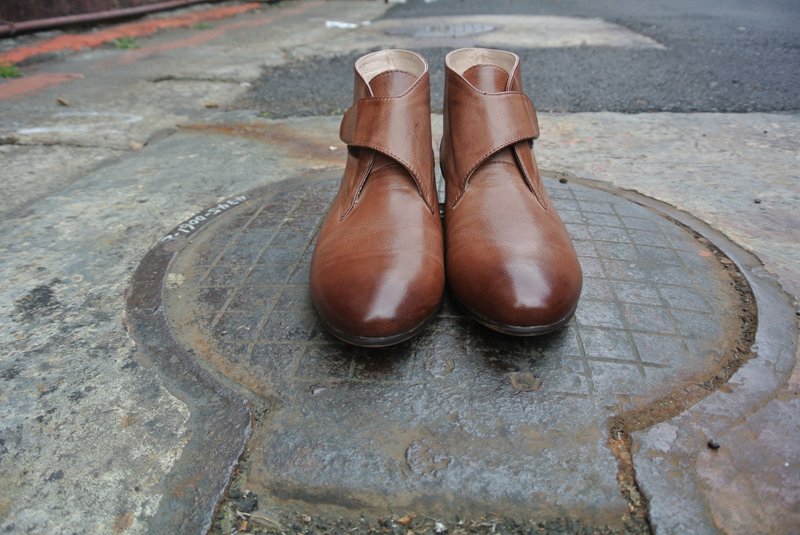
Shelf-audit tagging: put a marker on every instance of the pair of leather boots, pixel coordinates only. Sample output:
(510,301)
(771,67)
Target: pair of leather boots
(378,269)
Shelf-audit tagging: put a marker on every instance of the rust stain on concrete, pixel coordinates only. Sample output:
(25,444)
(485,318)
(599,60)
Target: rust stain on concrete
(128,420)
(294,142)
(36,82)
(123,522)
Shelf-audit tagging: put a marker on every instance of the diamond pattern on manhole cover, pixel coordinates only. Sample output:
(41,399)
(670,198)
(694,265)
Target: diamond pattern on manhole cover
(459,420)
(428,31)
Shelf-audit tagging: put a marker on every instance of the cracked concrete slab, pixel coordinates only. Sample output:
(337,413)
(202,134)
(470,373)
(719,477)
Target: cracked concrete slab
(25,165)
(113,100)
(766,504)
(97,117)
(88,431)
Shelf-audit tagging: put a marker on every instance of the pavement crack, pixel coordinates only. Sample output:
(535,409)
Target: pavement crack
(10,139)
(173,78)
(74,145)
(620,443)
(160,135)
(13,140)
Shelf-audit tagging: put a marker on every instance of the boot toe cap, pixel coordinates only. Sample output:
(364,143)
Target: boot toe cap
(375,307)
(522,296)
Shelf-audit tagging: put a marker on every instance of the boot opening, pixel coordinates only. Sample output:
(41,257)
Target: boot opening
(371,65)
(462,59)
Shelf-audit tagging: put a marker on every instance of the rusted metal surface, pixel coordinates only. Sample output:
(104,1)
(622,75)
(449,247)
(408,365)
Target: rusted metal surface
(721,442)
(458,421)
(221,419)
(16,17)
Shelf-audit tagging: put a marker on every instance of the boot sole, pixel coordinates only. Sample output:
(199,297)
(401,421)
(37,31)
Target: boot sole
(517,330)
(377,342)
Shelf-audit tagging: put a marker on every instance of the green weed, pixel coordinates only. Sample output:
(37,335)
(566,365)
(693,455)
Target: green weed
(9,71)
(125,43)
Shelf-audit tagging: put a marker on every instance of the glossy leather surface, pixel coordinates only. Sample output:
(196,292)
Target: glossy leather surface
(377,272)
(509,259)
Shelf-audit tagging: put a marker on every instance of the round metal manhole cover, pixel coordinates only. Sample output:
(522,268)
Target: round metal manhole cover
(459,419)
(432,31)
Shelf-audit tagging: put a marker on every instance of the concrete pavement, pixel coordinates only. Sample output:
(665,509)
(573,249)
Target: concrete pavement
(96,436)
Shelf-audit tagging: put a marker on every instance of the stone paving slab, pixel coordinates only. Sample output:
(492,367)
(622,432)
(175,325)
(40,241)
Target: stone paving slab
(105,102)
(92,438)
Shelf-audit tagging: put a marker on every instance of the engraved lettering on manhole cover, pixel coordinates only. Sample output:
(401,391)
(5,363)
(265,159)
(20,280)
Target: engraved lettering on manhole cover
(459,420)
(428,31)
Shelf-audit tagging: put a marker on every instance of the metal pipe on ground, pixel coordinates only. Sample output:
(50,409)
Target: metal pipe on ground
(11,28)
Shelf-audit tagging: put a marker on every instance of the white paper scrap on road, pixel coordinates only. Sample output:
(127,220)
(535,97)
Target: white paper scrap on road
(340,24)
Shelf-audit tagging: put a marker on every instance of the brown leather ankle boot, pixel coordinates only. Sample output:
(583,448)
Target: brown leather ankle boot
(509,259)
(377,273)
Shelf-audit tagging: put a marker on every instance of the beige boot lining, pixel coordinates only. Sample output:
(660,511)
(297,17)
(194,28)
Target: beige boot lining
(462,59)
(371,65)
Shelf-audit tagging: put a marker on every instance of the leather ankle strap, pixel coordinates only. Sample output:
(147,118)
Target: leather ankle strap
(480,124)
(400,128)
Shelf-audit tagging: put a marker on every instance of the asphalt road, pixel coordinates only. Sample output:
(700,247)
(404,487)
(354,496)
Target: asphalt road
(720,56)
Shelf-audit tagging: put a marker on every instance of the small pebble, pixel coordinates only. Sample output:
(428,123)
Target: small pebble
(562,180)
(406,519)
(263,520)
(247,503)
(713,444)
